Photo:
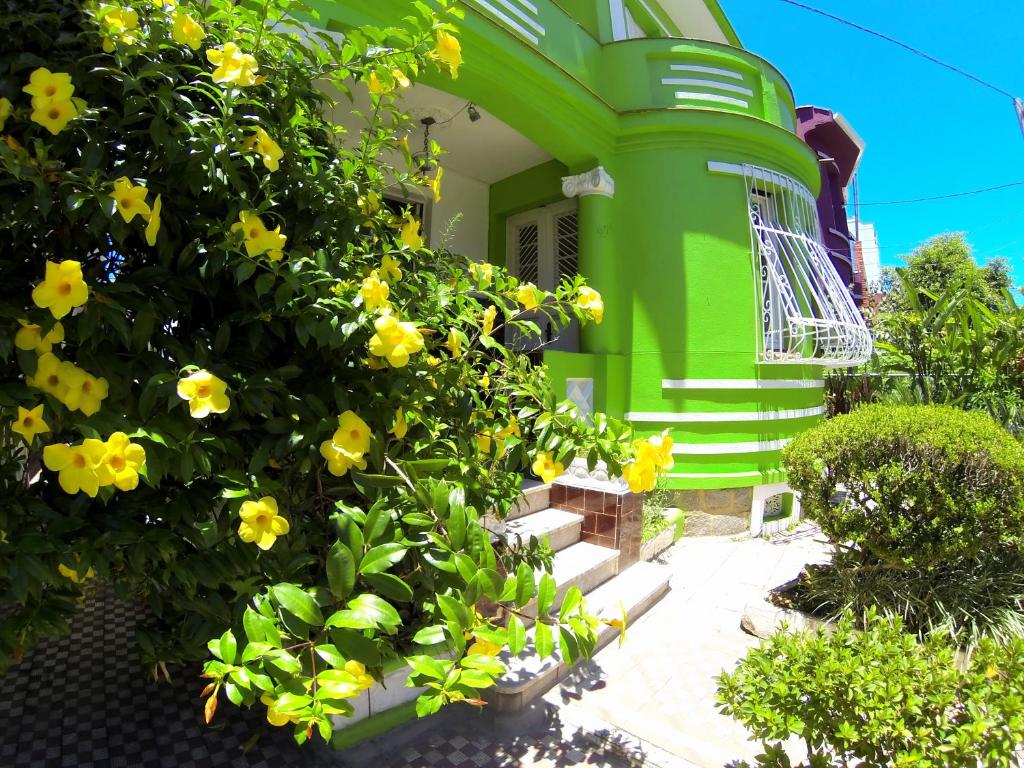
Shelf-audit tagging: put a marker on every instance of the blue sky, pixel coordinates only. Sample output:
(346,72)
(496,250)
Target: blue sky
(928,131)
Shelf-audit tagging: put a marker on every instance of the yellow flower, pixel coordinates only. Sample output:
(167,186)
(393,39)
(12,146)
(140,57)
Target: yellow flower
(45,86)
(153,221)
(187,31)
(487,321)
(454,343)
(619,623)
(395,340)
(273,716)
(233,66)
(54,115)
(369,203)
(30,423)
(546,468)
(641,476)
(651,457)
(482,272)
(261,524)
(84,392)
(375,86)
(79,467)
(30,337)
(62,288)
(485,382)
(267,148)
(662,445)
(483,441)
(49,376)
(353,434)
(448,51)
(5,111)
(72,574)
(205,393)
(435,184)
(375,293)
(358,671)
(483,648)
(120,24)
(590,300)
(411,237)
(508,431)
(124,459)
(401,425)
(389,268)
(259,239)
(527,296)
(129,199)
(340,461)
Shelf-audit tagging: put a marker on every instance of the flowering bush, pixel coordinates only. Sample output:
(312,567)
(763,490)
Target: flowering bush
(237,387)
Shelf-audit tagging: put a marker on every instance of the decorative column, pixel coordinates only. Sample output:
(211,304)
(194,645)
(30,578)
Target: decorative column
(595,190)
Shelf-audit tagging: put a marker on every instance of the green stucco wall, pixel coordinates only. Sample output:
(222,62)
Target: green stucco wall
(671,250)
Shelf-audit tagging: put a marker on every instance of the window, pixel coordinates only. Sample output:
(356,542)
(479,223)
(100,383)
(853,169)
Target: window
(807,314)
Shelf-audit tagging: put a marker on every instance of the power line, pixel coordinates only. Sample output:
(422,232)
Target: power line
(894,41)
(939,197)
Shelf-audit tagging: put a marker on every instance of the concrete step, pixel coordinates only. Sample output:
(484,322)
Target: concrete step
(635,590)
(536,496)
(561,528)
(582,565)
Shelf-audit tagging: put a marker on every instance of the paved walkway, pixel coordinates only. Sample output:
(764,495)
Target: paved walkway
(660,686)
(82,702)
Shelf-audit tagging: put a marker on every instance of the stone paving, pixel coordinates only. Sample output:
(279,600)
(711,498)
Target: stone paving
(659,686)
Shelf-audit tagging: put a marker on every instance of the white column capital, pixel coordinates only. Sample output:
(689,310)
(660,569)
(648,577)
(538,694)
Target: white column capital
(593,182)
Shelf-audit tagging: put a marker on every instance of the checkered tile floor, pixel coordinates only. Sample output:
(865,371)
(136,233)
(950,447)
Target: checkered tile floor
(83,701)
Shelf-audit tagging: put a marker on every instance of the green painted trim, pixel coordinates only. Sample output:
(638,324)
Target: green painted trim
(652,19)
(723,22)
(373,726)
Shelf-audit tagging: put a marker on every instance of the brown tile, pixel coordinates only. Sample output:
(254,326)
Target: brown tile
(558,494)
(589,523)
(605,524)
(574,496)
(594,501)
(601,541)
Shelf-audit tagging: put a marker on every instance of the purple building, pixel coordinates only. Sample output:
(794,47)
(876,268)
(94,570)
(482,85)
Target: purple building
(839,151)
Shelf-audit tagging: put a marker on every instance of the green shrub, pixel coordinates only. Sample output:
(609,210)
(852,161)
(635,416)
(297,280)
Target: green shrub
(880,698)
(919,485)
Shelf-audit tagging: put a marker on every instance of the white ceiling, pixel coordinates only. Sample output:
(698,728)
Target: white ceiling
(487,150)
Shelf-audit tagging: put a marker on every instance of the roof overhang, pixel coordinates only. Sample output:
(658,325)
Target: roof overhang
(701,20)
(830,133)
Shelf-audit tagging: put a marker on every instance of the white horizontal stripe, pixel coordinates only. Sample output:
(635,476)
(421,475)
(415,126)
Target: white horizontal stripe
(723,449)
(529,6)
(692,96)
(742,384)
(704,475)
(707,84)
(509,21)
(706,70)
(685,418)
(515,9)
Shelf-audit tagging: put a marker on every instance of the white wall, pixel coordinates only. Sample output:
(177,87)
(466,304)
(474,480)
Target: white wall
(461,194)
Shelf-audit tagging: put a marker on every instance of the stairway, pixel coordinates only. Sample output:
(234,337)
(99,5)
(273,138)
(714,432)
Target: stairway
(592,568)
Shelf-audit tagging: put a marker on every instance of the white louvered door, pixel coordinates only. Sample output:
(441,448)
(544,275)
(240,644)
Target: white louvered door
(543,249)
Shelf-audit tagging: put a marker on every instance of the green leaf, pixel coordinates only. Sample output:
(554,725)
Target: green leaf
(292,702)
(341,570)
(330,654)
(428,666)
(228,647)
(381,558)
(366,612)
(455,612)
(573,599)
(390,586)
(546,591)
(524,585)
(298,602)
(543,640)
(516,635)
(432,635)
(355,645)
(252,623)
(428,704)
(570,649)
(489,664)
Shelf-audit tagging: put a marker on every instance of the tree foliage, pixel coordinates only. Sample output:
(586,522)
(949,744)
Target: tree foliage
(272,417)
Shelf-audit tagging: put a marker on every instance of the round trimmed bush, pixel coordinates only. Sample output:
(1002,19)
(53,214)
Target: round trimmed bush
(912,486)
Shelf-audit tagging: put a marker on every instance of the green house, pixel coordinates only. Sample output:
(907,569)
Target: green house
(637,142)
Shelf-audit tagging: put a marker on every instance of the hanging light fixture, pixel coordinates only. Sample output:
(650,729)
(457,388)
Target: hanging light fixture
(425,160)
